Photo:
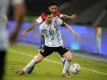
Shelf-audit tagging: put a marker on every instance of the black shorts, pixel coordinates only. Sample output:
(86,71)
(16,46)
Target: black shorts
(45,51)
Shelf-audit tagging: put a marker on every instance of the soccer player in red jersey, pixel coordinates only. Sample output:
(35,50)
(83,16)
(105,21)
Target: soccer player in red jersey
(53,8)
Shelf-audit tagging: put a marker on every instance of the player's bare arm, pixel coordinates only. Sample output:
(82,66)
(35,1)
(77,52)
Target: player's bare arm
(71,30)
(31,27)
(72,17)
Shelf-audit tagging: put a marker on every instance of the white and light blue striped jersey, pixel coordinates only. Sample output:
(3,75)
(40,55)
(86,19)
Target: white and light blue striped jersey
(3,31)
(52,33)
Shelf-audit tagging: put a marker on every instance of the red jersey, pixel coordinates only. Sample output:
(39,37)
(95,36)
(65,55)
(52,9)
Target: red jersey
(42,18)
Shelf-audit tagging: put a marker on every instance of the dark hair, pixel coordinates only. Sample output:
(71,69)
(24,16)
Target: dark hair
(52,3)
(47,12)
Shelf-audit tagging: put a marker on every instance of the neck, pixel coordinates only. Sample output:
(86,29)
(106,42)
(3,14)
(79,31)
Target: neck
(54,13)
(47,22)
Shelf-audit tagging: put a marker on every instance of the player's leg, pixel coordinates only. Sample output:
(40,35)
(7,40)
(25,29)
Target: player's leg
(43,53)
(30,70)
(65,65)
(34,61)
(68,57)
(63,60)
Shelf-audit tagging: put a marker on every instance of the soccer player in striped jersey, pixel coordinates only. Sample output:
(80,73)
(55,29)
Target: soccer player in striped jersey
(53,42)
(53,8)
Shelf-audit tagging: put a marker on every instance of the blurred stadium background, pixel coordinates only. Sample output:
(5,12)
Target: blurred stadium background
(88,12)
(92,19)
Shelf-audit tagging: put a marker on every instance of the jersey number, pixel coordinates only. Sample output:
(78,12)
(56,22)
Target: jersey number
(51,32)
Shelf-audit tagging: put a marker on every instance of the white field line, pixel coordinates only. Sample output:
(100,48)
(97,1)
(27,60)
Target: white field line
(55,62)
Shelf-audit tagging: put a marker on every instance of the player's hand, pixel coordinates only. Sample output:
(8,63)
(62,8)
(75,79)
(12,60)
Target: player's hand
(23,34)
(76,35)
(73,17)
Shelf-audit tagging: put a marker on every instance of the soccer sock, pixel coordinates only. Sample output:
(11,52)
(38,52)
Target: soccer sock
(63,60)
(66,66)
(30,64)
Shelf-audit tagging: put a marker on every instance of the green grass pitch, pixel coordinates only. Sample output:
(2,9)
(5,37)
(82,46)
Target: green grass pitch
(50,68)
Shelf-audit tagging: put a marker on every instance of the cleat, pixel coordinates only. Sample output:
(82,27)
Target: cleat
(66,75)
(21,72)
(67,72)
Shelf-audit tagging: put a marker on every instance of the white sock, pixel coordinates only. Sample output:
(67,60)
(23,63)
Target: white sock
(30,64)
(66,66)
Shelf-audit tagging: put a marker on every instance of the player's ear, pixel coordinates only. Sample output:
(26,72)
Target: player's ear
(48,7)
(46,16)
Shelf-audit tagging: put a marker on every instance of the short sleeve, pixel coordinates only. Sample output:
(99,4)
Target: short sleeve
(39,20)
(61,15)
(60,21)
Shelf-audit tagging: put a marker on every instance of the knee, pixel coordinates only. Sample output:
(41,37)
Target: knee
(69,59)
(38,59)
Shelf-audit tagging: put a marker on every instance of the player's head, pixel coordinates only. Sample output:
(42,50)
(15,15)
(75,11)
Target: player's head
(49,16)
(52,6)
